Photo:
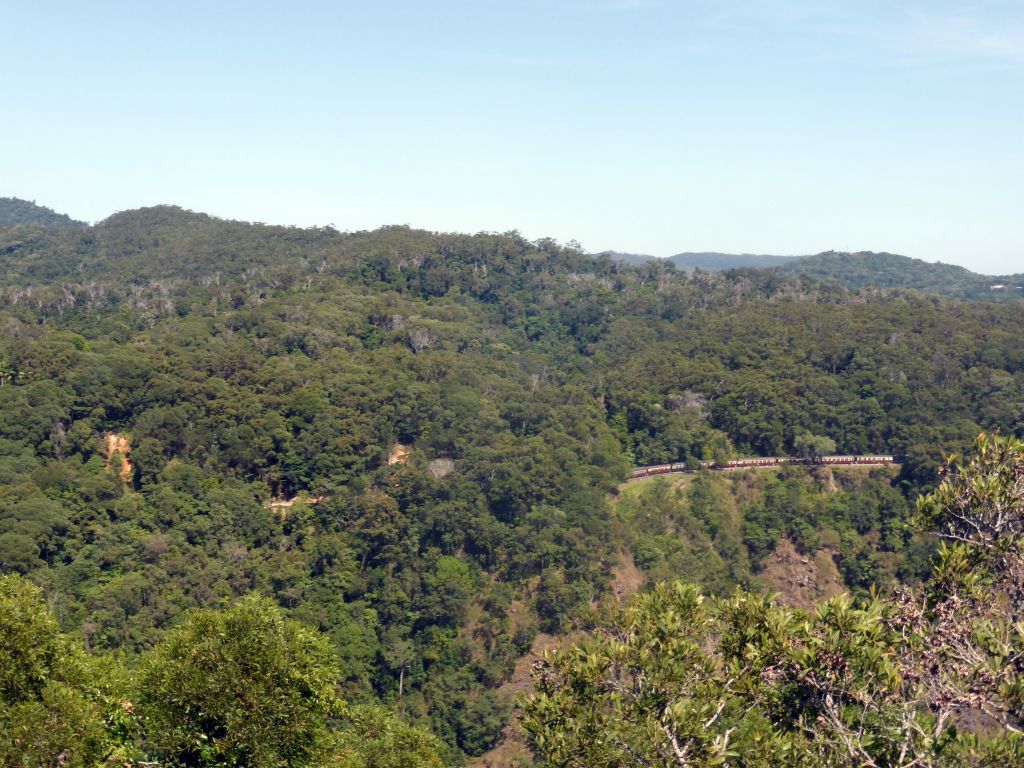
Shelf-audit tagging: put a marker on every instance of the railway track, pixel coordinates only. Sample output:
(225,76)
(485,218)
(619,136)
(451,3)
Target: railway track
(761,461)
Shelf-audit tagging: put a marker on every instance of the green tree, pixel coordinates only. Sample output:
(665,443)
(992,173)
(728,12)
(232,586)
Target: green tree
(375,738)
(57,706)
(242,687)
(813,447)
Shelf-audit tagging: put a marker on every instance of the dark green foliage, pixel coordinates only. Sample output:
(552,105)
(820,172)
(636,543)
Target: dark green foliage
(242,686)
(57,706)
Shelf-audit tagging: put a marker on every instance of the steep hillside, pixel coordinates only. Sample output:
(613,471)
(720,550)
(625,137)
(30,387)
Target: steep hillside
(14,211)
(802,534)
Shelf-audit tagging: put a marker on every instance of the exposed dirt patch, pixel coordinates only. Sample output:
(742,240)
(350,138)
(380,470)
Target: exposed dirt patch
(399,454)
(281,506)
(830,581)
(801,581)
(626,577)
(117,446)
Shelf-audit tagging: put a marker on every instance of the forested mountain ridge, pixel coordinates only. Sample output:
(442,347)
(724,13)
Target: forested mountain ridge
(171,234)
(513,383)
(14,211)
(888,270)
(856,270)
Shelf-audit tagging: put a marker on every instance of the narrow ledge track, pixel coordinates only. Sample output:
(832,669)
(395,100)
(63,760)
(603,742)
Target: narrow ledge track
(759,461)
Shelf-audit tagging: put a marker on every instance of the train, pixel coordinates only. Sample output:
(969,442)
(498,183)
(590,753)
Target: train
(759,461)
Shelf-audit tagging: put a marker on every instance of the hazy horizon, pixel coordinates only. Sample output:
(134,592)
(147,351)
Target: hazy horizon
(786,127)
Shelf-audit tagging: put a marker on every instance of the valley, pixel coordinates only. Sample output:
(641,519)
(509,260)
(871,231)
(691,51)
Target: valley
(418,445)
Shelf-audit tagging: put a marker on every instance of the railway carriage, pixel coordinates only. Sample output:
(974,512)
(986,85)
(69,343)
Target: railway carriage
(760,461)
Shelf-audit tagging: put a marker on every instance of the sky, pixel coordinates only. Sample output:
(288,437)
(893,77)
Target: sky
(647,126)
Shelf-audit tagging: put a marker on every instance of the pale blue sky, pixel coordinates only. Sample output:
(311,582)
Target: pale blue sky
(787,127)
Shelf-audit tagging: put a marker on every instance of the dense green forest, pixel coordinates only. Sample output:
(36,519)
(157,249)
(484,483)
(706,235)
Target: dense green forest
(413,443)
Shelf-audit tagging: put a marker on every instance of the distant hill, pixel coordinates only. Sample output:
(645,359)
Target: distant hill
(889,270)
(855,270)
(151,244)
(629,258)
(15,211)
(715,262)
(711,261)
